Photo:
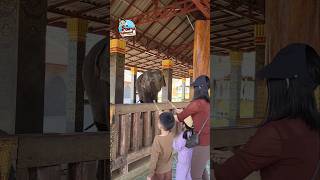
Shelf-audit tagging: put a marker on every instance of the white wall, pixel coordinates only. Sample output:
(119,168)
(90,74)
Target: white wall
(57,53)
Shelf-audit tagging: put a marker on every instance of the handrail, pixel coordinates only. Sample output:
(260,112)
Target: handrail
(32,152)
(133,108)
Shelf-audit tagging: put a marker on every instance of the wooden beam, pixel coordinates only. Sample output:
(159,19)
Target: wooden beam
(93,8)
(240,32)
(160,30)
(75,15)
(127,9)
(241,14)
(129,108)
(236,39)
(216,23)
(224,137)
(63,3)
(78,147)
(174,9)
(230,28)
(203,6)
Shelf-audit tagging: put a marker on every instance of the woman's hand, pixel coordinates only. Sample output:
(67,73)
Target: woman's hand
(149,177)
(220,157)
(178,111)
(176,118)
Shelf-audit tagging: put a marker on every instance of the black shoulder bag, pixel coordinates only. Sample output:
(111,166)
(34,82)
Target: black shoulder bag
(193,140)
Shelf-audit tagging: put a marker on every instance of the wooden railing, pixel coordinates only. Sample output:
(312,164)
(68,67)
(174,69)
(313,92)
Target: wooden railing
(41,157)
(230,136)
(132,131)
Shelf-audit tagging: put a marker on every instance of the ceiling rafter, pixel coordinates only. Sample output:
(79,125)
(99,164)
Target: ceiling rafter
(174,9)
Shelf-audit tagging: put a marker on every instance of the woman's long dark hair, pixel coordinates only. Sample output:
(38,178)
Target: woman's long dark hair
(293,99)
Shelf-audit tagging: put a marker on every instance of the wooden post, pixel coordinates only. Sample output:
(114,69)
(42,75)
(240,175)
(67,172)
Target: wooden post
(167,65)
(201,50)
(156,121)
(22,65)
(183,89)
(136,129)
(260,94)
(115,129)
(147,129)
(297,21)
(134,71)
(77,29)
(235,87)
(117,65)
(191,91)
(124,139)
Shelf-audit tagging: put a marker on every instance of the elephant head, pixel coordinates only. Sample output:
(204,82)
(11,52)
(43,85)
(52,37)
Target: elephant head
(149,84)
(96,82)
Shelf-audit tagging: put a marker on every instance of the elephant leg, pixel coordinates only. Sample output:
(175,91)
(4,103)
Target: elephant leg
(100,116)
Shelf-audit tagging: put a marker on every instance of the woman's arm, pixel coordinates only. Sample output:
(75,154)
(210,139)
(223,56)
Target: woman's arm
(262,149)
(191,109)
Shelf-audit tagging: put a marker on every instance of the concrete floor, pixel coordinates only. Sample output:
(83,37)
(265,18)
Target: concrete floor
(144,175)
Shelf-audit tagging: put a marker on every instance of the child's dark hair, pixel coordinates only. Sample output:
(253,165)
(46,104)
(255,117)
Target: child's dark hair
(167,120)
(185,133)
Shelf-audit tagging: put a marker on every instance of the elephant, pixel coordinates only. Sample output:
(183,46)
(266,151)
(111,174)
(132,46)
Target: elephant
(95,76)
(149,84)
(96,83)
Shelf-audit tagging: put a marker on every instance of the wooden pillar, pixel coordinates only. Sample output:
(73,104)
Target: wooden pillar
(183,89)
(22,65)
(235,87)
(134,71)
(260,92)
(201,50)
(117,63)
(191,90)
(297,21)
(77,30)
(167,65)
(213,89)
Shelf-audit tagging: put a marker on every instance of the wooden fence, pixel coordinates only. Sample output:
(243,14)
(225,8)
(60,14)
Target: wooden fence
(40,157)
(132,131)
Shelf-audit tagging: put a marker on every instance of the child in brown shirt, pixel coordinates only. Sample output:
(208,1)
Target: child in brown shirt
(161,151)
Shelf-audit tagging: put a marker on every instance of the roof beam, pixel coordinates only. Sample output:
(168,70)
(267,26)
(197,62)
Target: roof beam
(93,8)
(230,28)
(127,9)
(63,3)
(174,9)
(159,31)
(147,29)
(182,21)
(237,13)
(75,15)
(203,6)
